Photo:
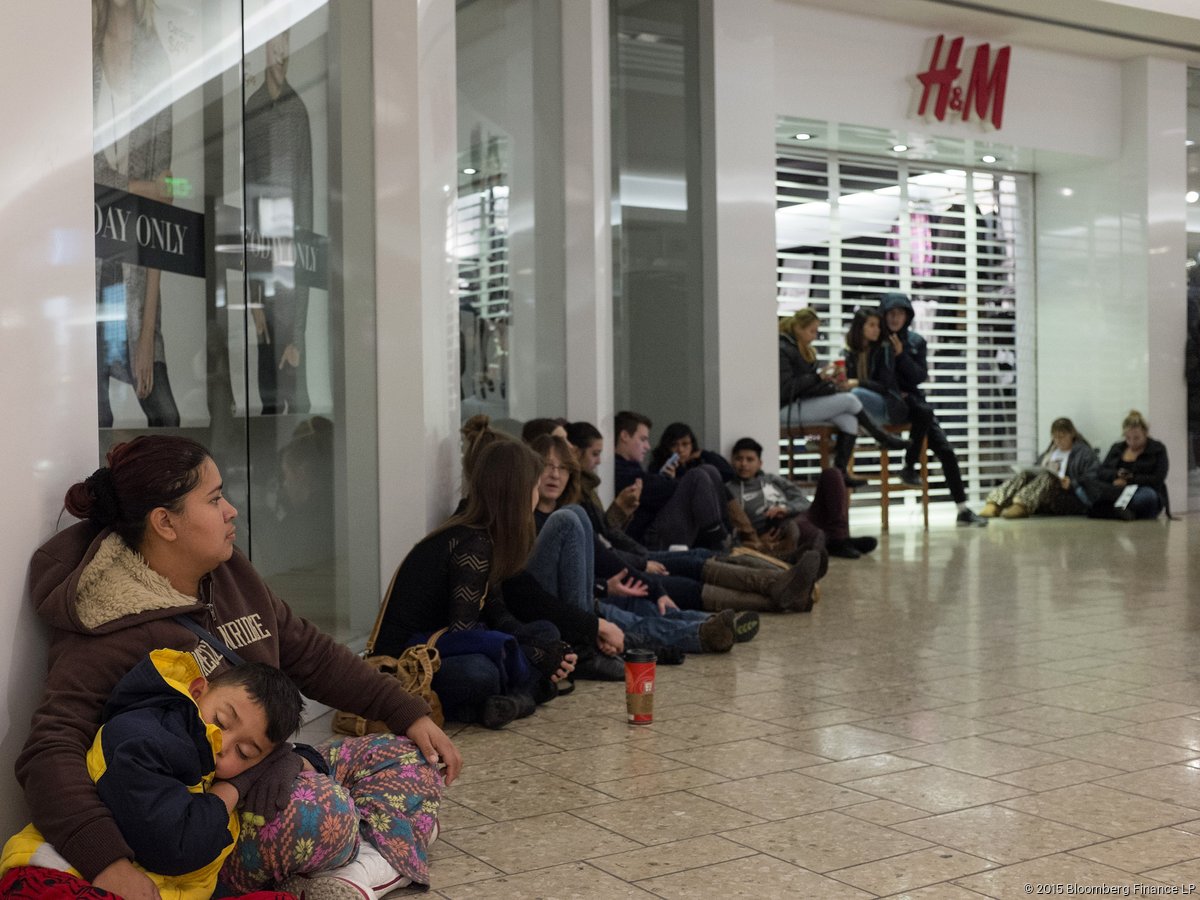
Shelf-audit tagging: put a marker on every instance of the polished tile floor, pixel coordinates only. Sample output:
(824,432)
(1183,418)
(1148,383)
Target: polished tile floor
(969,712)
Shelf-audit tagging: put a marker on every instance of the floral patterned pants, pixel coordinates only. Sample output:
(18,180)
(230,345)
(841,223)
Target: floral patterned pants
(381,790)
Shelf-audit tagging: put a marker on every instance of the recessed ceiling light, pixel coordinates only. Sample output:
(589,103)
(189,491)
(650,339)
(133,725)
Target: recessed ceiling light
(900,148)
(988,158)
(469,171)
(1192,196)
(1066,192)
(803,136)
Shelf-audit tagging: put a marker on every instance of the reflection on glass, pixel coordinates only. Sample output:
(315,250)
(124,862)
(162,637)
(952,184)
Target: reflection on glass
(217,177)
(484,300)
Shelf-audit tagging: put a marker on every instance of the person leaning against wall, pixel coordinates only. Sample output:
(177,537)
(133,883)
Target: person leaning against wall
(1136,462)
(156,547)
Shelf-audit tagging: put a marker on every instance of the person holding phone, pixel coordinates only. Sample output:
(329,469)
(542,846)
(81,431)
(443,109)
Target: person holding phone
(679,450)
(1139,462)
(909,354)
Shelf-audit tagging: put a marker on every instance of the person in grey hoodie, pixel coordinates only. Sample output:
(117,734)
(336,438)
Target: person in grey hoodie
(776,506)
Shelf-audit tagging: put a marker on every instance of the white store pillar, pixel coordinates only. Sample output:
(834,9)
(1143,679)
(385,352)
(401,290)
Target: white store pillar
(415,188)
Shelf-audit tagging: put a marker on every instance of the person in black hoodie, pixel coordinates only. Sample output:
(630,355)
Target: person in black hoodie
(909,352)
(678,437)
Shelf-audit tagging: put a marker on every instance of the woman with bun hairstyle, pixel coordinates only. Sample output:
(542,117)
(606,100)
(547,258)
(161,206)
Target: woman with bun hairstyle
(156,550)
(1138,460)
(1054,486)
(810,394)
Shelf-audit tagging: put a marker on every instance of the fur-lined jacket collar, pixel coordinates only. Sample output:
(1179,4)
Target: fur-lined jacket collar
(83,580)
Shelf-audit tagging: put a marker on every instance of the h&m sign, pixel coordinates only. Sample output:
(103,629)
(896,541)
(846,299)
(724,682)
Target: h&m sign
(946,96)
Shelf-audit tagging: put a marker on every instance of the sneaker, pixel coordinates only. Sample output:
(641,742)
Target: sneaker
(968,517)
(864,544)
(716,632)
(498,711)
(990,511)
(368,877)
(745,626)
(910,476)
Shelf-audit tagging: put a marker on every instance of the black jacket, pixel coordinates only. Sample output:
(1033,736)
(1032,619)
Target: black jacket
(911,366)
(1149,469)
(880,377)
(798,378)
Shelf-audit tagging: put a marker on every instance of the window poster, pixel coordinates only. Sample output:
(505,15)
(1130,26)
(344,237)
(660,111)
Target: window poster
(149,222)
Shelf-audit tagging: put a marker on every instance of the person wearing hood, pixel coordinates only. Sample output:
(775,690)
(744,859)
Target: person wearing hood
(1053,487)
(175,755)
(809,394)
(909,359)
(153,565)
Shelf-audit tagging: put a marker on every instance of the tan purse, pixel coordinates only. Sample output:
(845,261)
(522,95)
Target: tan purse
(414,668)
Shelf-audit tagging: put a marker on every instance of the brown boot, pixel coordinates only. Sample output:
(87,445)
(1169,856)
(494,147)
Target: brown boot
(714,599)
(789,589)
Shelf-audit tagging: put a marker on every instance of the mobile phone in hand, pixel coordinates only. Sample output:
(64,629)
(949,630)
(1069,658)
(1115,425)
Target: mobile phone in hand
(672,461)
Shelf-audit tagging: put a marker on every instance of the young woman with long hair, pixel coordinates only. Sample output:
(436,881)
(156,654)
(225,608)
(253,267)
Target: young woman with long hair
(1054,484)
(809,393)
(451,579)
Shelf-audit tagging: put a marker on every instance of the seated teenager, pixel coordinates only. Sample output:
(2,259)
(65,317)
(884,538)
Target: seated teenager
(680,441)
(565,561)
(673,508)
(870,369)
(694,579)
(596,641)
(809,393)
(175,755)
(1054,485)
(778,510)
(1131,482)
(494,667)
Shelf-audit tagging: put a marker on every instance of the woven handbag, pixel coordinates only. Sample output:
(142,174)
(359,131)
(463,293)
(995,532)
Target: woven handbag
(414,668)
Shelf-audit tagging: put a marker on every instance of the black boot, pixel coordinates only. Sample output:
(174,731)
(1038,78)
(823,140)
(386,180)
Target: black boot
(841,458)
(891,441)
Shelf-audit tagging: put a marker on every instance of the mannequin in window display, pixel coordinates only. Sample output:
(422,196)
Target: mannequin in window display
(133,154)
(279,200)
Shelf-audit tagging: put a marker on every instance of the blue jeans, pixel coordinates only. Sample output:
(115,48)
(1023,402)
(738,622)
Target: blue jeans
(676,629)
(1145,503)
(463,682)
(684,563)
(873,404)
(563,558)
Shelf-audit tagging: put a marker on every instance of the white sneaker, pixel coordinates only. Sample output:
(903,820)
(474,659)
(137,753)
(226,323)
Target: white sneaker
(368,877)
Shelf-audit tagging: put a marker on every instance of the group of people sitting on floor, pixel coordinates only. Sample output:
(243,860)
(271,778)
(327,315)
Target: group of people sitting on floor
(877,383)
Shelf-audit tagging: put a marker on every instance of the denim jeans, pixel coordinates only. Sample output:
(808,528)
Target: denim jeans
(676,629)
(563,558)
(463,682)
(873,404)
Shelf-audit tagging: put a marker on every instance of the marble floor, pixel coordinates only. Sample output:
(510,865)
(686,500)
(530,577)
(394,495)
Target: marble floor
(969,712)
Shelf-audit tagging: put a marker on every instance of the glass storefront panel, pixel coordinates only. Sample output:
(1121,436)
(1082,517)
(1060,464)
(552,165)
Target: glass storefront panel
(222,313)
(1192,349)
(657,236)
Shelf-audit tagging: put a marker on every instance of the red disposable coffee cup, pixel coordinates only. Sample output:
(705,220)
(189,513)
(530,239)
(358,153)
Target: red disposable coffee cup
(839,367)
(639,686)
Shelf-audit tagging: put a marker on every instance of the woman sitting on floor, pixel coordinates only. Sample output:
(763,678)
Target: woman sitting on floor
(1053,487)
(1138,462)
(494,667)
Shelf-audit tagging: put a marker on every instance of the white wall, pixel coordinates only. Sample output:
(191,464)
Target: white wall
(1111,277)
(47,329)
